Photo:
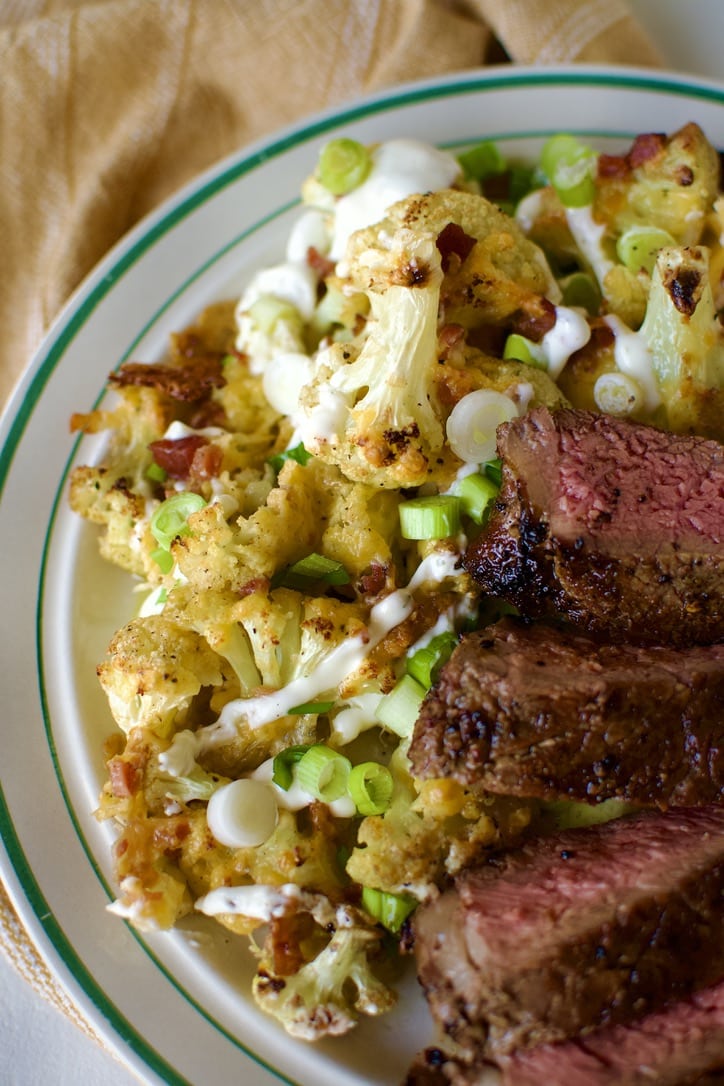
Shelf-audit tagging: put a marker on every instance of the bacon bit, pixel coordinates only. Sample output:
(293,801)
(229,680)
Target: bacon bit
(168,833)
(321,265)
(451,384)
(645,147)
(453,241)
(177,455)
(374,579)
(207,462)
(613,166)
(125,778)
(449,337)
(286,934)
(208,413)
(188,383)
(533,324)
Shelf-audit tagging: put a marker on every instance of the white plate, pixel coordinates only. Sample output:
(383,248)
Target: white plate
(176,1006)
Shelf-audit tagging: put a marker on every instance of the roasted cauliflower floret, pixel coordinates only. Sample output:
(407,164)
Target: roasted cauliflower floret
(372,405)
(155,670)
(326,995)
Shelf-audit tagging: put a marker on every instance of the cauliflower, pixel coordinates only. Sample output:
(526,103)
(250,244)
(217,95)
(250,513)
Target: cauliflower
(372,405)
(686,344)
(323,997)
(155,669)
(431,831)
(683,340)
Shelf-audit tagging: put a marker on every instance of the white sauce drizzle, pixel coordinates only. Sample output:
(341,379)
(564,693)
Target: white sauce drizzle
(346,658)
(588,236)
(400,168)
(263,903)
(633,357)
(570,332)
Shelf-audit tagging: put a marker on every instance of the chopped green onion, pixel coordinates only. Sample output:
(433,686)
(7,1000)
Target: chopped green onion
(268,310)
(391,910)
(156,473)
(477,493)
(522,181)
(639,246)
(370,786)
(483,160)
(569,815)
(171,517)
(228,359)
(283,765)
(399,709)
(314,568)
(311,707)
(570,166)
(323,773)
(581,290)
(494,470)
(299,454)
(424,665)
(163,559)
(433,517)
(343,165)
(521,349)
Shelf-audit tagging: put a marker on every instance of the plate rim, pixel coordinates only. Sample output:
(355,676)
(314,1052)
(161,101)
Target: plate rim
(18,876)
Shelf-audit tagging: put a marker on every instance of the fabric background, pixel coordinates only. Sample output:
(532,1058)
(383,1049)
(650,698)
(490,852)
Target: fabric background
(106,108)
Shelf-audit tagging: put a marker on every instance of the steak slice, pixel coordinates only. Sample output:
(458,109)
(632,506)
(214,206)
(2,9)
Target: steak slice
(679,1045)
(617,526)
(527,709)
(575,931)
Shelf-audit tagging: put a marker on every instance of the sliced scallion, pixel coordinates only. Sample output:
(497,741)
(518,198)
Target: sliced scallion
(434,517)
(582,291)
(399,709)
(283,765)
(171,518)
(477,493)
(481,161)
(156,473)
(391,910)
(163,559)
(424,665)
(524,350)
(494,470)
(370,786)
(570,167)
(268,310)
(343,165)
(323,773)
(314,568)
(311,707)
(298,453)
(639,246)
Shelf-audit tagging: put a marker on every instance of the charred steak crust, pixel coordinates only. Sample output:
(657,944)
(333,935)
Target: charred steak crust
(617,526)
(577,931)
(529,709)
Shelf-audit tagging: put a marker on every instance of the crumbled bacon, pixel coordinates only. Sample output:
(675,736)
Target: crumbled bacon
(452,241)
(534,323)
(613,166)
(176,455)
(188,383)
(207,462)
(644,147)
(449,337)
(125,777)
(374,579)
(321,265)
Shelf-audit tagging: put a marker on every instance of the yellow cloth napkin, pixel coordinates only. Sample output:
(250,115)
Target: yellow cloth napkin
(108,107)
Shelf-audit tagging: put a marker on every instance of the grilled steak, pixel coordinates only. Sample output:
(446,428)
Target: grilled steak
(680,1045)
(575,931)
(528,709)
(613,524)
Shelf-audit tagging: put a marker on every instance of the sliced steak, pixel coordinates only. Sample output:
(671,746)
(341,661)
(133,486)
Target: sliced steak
(575,931)
(529,709)
(680,1045)
(615,525)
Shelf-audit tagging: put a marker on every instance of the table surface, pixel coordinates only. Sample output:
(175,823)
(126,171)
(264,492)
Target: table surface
(38,1044)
